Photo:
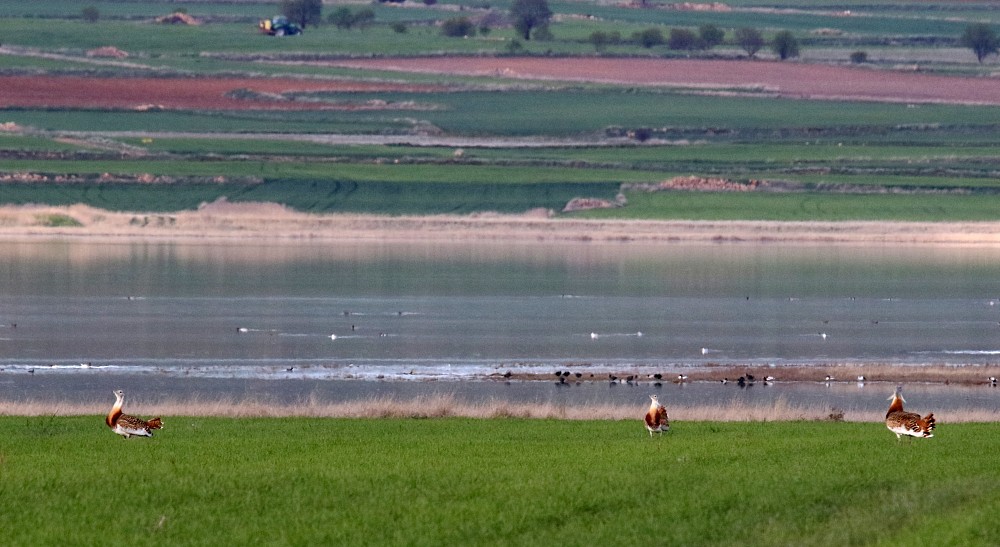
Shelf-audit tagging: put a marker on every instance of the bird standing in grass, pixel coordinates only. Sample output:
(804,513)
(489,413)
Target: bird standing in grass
(656,417)
(127,425)
(902,423)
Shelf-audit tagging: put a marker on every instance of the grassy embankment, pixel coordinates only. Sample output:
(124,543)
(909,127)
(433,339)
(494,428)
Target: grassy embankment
(218,481)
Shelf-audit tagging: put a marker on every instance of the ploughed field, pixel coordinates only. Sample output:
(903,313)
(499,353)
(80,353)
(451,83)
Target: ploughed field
(795,80)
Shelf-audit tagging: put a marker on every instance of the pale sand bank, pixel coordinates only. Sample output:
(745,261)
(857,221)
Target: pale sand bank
(272,221)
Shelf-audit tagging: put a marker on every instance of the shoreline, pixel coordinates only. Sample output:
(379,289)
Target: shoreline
(225,221)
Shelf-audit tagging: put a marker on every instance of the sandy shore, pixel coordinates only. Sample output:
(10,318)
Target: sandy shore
(272,221)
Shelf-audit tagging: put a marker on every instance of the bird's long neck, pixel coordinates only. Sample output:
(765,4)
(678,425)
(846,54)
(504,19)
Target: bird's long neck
(116,412)
(896,405)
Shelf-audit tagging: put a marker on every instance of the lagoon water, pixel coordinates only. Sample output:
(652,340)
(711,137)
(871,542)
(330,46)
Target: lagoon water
(356,319)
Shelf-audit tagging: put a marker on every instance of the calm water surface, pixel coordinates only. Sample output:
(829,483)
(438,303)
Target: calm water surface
(323,316)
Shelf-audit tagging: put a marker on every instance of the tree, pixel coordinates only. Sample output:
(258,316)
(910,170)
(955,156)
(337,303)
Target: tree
(90,14)
(599,39)
(711,35)
(341,17)
(979,37)
(458,27)
(750,40)
(529,15)
(363,17)
(649,37)
(785,45)
(303,12)
(682,38)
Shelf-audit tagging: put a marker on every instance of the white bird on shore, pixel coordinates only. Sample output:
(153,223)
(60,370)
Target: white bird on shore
(593,336)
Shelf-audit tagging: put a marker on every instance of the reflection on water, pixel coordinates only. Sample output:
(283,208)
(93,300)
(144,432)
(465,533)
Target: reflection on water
(315,312)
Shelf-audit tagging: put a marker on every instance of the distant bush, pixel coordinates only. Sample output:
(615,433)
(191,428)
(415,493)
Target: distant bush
(859,57)
(90,14)
(683,39)
(648,38)
(785,46)
(57,220)
(711,36)
(750,40)
(344,18)
(458,27)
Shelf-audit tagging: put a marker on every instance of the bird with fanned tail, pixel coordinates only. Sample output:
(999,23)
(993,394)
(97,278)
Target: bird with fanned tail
(656,417)
(127,425)
(902,423)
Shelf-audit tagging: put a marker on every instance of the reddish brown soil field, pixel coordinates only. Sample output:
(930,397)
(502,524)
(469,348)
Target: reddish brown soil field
(786,79)
(782,79)
(170,93)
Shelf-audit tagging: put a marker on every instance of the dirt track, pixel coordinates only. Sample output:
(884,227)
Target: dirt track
(779,78)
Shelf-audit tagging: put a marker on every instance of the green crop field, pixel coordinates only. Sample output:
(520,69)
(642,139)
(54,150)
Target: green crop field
(451,481)
(912,161)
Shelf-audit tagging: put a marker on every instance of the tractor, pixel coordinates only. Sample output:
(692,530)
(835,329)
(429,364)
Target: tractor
(279,25)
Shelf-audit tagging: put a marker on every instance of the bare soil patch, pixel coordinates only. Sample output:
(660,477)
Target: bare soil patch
(177,93)
(785,79)
(224,220)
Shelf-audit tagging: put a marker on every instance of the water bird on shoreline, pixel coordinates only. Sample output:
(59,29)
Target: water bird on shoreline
(830,378)
(681,378)
(656,417)
(993,381)
(902,423)
(127,425)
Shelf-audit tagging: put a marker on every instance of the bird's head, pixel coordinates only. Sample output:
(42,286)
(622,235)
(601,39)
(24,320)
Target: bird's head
(898,394)
(119,396)
(655,399)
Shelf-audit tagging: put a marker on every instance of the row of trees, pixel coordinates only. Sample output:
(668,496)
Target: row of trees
(784,44)
(531,18)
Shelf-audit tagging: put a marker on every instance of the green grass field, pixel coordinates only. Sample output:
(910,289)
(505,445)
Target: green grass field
(827,148)
(451,481)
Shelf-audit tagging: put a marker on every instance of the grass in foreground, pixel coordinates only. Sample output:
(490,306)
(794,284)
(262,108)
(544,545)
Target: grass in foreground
(216,481)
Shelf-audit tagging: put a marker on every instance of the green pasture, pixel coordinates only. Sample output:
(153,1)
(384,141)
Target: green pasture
(450,481)
(567,112)
(317,196)
(802,207)
(933,162)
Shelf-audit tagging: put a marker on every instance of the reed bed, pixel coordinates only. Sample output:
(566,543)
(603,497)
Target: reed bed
(448,406)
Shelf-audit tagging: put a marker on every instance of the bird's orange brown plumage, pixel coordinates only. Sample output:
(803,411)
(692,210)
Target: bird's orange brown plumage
(656,417)
(127,425)
(901,422)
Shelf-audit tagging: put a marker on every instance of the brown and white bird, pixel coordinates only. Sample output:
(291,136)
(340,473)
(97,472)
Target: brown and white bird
(902,423)
(127,425)
(656,417)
